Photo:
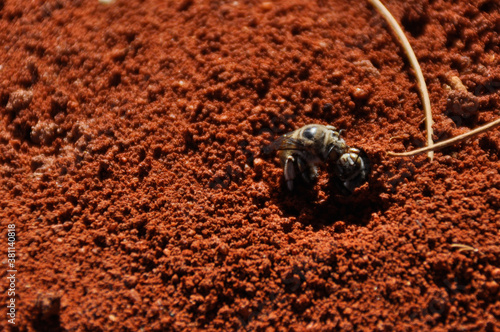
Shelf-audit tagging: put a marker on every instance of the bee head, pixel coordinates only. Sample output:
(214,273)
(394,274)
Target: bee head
(353,168)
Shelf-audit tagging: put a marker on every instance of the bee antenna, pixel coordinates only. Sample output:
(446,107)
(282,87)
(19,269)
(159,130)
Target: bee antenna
(341,131)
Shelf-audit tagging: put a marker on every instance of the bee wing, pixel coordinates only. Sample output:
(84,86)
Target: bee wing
(284,143)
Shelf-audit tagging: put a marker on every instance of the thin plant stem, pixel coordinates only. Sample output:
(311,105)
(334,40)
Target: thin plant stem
(449,141)
(463,247)
(416,67)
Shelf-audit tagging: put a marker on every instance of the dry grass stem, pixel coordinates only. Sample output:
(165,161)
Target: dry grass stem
(448,142)
(464,247)
(416,67)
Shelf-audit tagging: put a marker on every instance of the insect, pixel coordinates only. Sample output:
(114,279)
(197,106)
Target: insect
(302,151)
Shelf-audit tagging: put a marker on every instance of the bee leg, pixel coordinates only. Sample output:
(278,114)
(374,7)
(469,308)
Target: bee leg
(309,173)
(313,173)
(289,172)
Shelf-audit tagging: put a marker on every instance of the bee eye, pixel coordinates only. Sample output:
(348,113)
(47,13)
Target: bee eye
(309,132)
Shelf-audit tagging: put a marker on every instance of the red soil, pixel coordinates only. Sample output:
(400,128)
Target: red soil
(131,166)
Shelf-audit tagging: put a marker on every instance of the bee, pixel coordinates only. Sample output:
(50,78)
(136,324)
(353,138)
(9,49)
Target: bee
(302,151)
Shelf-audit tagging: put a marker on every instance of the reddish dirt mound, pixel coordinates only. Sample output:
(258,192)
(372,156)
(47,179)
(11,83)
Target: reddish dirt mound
(131,166)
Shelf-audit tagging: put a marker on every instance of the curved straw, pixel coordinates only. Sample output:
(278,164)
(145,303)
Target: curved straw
(447,142)
(416,67)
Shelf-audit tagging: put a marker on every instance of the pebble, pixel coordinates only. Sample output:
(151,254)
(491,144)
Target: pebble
(18,100)
(266,6)
(496,274)
(360,93)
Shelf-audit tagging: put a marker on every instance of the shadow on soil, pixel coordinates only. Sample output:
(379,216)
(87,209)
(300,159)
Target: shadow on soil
(318,209)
